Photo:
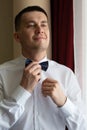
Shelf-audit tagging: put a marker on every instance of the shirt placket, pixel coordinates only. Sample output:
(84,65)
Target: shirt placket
(36,112)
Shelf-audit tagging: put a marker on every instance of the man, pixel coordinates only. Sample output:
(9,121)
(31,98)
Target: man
(36,95)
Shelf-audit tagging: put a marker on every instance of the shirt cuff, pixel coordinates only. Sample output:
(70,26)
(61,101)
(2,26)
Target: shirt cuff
(68,109)
(20,95)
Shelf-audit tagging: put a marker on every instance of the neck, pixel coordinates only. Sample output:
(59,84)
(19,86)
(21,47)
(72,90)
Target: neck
(35,56)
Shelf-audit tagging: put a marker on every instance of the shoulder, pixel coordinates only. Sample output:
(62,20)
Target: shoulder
(59,66)
(11,64)
(60,70)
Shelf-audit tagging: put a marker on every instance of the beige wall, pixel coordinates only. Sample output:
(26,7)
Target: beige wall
(6,30)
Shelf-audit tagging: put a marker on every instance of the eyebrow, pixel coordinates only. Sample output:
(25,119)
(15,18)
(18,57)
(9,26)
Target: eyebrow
(32,21)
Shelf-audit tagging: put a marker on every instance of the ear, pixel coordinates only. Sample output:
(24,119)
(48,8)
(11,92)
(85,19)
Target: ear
(17,37)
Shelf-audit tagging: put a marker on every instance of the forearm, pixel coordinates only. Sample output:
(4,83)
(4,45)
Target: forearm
(11,109)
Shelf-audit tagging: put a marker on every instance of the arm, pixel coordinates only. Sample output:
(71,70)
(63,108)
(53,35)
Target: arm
(11,109)
(69,104)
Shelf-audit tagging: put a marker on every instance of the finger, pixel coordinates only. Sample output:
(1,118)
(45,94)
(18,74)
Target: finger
(36,71)
(49,80)
(47,88)
(33,72)
(49,85)
(46,93)
(36,74)
(32,68)
(38,77)
(32,64)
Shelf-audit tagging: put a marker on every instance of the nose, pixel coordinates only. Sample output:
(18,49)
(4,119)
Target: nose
(39,29)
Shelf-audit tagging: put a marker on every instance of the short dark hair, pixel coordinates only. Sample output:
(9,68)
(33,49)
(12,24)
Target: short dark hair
(27,9)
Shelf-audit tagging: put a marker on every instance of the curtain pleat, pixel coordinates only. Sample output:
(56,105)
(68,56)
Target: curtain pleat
(62,32)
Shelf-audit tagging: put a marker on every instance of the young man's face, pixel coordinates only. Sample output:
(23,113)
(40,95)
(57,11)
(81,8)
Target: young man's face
(34,31)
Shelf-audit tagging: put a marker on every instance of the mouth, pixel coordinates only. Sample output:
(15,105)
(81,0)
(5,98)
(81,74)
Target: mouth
(39,38)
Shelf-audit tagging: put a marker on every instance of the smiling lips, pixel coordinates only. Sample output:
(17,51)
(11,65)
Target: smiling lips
(39,38)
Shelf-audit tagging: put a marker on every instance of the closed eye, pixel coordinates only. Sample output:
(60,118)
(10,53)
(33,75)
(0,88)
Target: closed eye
(44,25)
(31,25)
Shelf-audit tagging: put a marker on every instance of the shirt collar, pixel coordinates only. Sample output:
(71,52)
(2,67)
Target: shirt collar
(44,59)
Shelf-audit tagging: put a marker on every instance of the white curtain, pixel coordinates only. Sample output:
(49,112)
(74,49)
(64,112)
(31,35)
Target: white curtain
(80,44)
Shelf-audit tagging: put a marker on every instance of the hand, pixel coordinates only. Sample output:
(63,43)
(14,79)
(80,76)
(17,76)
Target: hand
(52,88)
(31,76)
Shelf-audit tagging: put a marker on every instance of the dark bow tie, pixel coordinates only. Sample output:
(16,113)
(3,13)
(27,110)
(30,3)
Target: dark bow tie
(44,65)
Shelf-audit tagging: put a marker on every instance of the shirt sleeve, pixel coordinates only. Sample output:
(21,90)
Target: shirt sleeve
(74,118)
(72,112)
(12,108)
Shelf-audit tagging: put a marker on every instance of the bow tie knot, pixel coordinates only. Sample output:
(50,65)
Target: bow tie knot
(44,65)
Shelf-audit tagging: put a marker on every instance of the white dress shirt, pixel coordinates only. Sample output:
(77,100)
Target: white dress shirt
(21,110)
